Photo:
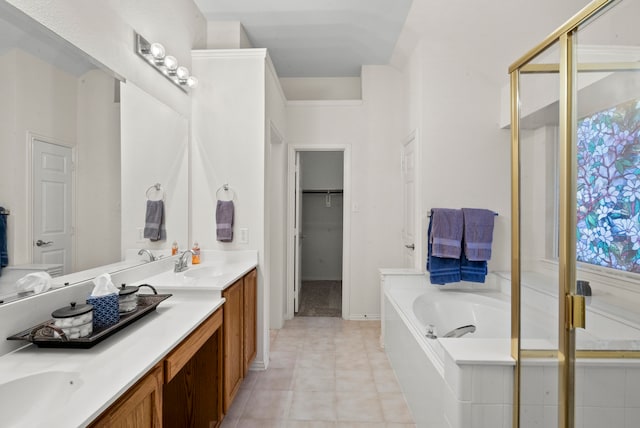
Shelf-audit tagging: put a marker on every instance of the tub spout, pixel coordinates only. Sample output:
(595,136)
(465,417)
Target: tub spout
(461,331)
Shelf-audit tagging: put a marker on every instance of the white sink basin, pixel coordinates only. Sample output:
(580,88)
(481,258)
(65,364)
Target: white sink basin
(26,401)
(204,272)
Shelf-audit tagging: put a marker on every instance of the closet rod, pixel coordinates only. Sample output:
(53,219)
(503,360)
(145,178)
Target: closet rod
(327,191)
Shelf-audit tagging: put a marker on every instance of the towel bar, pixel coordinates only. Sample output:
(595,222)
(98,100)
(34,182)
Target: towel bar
(158,188)
(429,214)
(225,187)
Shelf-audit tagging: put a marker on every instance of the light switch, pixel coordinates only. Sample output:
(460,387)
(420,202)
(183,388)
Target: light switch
(243,237)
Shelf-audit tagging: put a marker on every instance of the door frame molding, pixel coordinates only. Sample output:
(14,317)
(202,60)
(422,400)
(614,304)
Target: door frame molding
(32,137)
(346,221)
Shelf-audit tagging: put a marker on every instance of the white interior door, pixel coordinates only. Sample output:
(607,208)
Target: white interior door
(297,236)
(408,198)
(52,203)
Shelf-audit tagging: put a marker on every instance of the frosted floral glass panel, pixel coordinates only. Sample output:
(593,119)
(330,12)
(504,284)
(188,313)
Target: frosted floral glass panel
(609,188)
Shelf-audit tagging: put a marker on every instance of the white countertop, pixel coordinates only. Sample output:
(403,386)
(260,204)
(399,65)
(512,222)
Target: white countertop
(95,378)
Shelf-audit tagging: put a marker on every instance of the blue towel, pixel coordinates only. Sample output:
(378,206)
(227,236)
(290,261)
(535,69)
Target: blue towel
(478,233)
(472,271)
(441,270)
(4,253)
(446,234)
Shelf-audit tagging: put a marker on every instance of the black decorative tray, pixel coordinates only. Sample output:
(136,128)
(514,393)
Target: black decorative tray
(43,334)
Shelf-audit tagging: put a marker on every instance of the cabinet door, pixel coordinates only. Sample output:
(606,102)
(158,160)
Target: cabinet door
(233,338)
(140,407)
(250,318)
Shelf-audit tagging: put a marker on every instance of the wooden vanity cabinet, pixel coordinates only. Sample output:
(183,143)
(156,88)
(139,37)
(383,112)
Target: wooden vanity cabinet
(240,328)
(140,406)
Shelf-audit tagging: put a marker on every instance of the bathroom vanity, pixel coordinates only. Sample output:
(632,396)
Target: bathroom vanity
(170,368)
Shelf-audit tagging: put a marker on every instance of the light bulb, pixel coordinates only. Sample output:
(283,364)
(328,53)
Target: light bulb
(192,81)
(182,73)
(171,63)
(157,52)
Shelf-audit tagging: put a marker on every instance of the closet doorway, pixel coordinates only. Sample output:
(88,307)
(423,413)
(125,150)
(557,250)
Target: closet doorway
(319,207)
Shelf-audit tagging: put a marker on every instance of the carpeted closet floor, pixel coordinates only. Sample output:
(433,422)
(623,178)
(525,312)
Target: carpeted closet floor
(320,299)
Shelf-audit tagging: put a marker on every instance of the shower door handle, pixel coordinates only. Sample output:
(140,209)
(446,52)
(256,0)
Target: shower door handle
(410,246)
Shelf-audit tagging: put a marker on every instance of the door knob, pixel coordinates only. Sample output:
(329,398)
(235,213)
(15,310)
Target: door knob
(41,243)
(410,246)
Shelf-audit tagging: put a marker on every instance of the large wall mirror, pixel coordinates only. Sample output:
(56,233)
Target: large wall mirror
(61,174)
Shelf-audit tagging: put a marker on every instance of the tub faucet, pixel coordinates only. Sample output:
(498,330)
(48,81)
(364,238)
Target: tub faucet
(152,258)
(461,331)
(181,264)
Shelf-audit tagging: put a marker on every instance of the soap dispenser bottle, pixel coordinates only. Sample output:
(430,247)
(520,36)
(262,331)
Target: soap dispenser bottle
(195,257)
(174,248)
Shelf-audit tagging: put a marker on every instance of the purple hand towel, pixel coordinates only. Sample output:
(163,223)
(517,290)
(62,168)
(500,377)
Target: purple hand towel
(446,233)
(478,233)
(224,221)
(154,221)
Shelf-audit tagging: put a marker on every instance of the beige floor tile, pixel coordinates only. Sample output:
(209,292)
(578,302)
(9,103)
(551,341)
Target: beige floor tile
(355,380)
(310,424)
(282,359)
(386,381)
(287,344)
(313,406)
(394,408)
(239,403)
(229,422)
(314,380)
(316,360)
(250,379)
(361,425)
(361,406)
(352,361)
(378,361)
(268,405)
(319,344)
(275,379)
(260,423)
(394,425)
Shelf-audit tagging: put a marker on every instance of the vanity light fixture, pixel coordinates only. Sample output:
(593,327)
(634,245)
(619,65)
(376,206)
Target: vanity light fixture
(167,65)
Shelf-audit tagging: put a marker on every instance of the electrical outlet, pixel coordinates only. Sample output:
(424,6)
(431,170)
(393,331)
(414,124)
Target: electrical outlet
(141,238)
(243,235)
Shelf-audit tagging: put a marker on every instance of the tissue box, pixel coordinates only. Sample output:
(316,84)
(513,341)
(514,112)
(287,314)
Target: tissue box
(105,310)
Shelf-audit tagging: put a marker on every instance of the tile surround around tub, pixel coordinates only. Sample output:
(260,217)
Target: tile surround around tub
(323,372)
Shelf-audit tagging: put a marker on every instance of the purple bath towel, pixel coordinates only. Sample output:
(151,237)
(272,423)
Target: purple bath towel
(224,221)
(446,233)
(478,233)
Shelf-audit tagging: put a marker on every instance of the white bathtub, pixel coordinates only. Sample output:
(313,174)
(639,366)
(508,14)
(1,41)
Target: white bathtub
(467,382)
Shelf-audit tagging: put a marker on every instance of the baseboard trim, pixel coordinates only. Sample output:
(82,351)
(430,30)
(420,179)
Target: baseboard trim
(364,317)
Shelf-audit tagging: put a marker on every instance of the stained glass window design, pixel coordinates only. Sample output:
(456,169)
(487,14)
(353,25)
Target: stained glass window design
(608,186)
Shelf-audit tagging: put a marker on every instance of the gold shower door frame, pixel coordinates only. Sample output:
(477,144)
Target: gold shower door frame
(570,305)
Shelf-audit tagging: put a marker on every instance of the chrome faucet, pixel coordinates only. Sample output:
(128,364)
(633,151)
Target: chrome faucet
(461,331)
(181,264)
(152,258)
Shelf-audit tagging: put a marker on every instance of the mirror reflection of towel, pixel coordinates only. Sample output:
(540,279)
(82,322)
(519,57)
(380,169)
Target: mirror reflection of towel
(154,221)
(4,254)
(224,221)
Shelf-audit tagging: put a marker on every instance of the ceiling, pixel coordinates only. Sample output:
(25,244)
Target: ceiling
(317,38)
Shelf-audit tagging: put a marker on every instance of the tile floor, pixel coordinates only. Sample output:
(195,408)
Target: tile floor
(324,372)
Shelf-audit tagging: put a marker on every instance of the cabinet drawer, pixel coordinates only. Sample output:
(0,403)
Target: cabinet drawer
(187,349)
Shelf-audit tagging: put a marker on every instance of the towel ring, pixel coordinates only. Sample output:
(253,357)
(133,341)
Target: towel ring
(158,188)
(225,188)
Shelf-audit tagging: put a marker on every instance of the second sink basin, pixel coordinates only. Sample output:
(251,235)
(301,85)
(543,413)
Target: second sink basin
(204,272)
(26,401)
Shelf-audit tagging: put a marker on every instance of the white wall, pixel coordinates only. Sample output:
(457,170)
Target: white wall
(98,169)
(153,151)
(40,99)
(226,35)
(321,252)
(104,30)
(374,137)
(276,197)
(322,88)
(322,170)
(229,146)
